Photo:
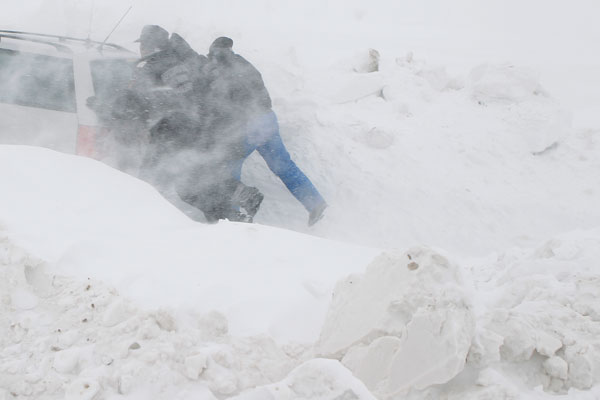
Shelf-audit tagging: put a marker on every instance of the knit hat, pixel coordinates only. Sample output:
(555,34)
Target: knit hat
(221,43)
(154,36)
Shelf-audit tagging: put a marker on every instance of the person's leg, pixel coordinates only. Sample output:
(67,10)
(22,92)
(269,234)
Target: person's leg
(219,197)
(272,149)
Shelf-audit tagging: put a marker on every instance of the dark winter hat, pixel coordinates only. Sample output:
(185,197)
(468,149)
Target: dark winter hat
(221,43)
(155,36)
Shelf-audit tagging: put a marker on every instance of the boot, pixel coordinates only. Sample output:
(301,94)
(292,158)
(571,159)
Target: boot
(249,198)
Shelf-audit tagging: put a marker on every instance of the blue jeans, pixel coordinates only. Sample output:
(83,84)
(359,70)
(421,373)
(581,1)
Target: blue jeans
(262,134)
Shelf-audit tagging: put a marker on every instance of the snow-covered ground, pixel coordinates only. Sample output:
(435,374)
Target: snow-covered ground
(458,258)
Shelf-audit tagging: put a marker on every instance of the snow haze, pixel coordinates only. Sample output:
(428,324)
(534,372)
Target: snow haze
(457,145)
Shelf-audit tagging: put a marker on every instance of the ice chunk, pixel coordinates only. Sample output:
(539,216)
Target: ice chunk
(220,379)
(194,365)
(581,361)
(405,323)
(556,367)
(429,356)
(316,379)
(547,344)
(367,62)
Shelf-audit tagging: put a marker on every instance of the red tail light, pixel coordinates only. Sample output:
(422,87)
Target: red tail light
(88,141)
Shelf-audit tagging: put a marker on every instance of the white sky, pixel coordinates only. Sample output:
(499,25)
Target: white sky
(559,38)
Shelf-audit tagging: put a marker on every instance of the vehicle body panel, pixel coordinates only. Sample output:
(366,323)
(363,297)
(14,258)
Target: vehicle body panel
(38,127)
(60,120)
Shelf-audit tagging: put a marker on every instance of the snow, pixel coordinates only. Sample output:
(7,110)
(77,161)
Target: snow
(316,379)
(432,130)
(405,323)
(93,217)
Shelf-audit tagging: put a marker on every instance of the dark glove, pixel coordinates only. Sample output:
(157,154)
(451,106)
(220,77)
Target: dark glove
(92,102)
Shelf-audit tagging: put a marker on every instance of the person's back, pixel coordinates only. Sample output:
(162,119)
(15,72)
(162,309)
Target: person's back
(182,154)
(236,88)
(246,122)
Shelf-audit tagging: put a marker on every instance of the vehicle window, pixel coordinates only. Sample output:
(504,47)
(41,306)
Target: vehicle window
(110,77)
(36,80)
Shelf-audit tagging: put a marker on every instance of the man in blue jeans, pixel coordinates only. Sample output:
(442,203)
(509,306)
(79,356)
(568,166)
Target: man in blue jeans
(241,112)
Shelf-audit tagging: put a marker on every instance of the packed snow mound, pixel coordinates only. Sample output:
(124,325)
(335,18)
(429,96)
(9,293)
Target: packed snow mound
(62,337)
(548,316)
(521,323)
(51,200)
(537,324)
(406,323)
(411,150)
(317,379)
(536,313)
(85,219)
(540,118)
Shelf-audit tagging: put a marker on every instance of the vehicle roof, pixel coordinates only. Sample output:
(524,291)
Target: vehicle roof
(60,46)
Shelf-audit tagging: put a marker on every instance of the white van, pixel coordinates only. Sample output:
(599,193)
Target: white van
(45,81)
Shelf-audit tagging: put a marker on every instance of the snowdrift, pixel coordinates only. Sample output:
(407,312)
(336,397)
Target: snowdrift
(415,325)
(86,219)
(93,307)
(414,154)
(108,291)
(98,269)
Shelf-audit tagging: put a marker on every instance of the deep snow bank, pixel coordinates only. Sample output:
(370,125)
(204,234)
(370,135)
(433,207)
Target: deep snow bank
(63,338)
(78,339)
(88,220)
(388,148)
(162,309)
(107,290)
(521,324)
(51,201)
(540,315)
(536,334)
(413,154)
(317,379)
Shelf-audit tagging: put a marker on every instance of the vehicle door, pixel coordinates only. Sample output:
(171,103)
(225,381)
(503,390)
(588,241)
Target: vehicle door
(37,100)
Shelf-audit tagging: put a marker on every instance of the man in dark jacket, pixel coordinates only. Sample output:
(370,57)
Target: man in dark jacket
(241,110)
(166,93)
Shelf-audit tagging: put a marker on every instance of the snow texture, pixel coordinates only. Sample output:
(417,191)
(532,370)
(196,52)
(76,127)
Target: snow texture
(426,126)
(83,338)
(317,379)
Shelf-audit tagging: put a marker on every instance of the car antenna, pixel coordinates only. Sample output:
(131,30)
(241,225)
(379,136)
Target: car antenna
(116,26)
(89,40)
